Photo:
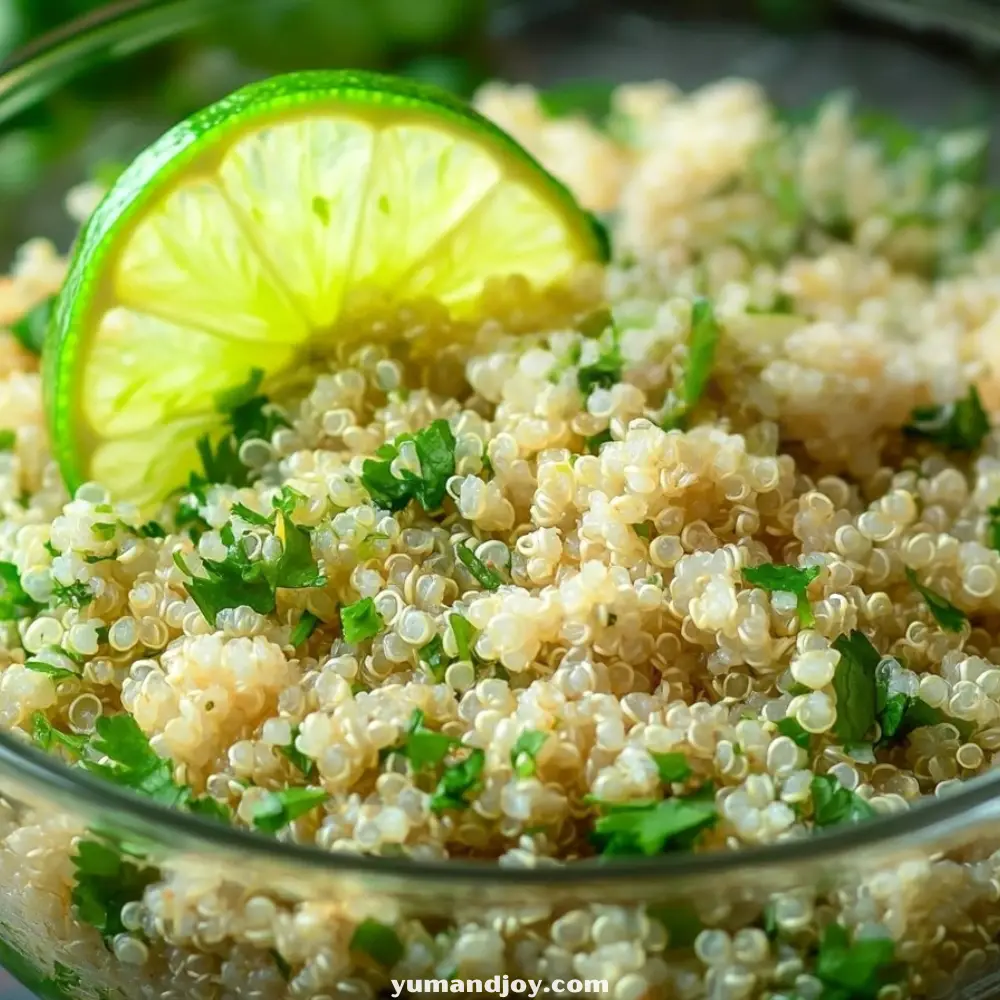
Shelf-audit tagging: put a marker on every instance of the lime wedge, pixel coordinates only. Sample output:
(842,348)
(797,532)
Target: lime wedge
(244,237)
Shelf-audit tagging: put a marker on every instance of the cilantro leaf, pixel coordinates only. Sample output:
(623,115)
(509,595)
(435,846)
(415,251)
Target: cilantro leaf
(525,750)
(435,447)
(891,718)
(789,579)
(245,513)
(672,767)
(304,628)
(857,970)
(282,966)
(297,758)
(702,343)
(31,328)
(296,569)
(151,529)
(287,500)
(77,595)
(993,527)
(361,620)
(56,673)
(379,941)
(595,441)
(105,881)
(855,686)
(653,827)
(606,370)
(105,532)
(960,426)
(433,655)
(7,440)
(486,577)
(458,781)
(424,747)
(276,810)
(792,728)
(14,601)
(902,714)
(945,613)
(465,635)
(46,736)
(834,804)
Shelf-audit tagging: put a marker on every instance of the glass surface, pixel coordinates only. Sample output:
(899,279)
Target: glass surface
(221,896)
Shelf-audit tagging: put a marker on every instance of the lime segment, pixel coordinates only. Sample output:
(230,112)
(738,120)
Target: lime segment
(239,239)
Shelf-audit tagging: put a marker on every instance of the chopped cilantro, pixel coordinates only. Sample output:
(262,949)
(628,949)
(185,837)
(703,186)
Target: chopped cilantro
(284,969)
(188,517)
(702,343)
(276,810)
(77,595)
(901,714)
(993,527)
(855,687)
(433,655)
(834,804)
(792,728)
(304,628)
(682,922)
(105,532)
(858,970)
(287,500)
(891,719)
(435,447)
(960,426)
(525,750)
(945,613)
(46,736)
(56,673)
(465,635)
(361,620)
(458,781)
(297,758)
(31,328)
(787,579)
(378,941)
(105,881)
(606,371)
(243,512)
(50,548)
(485,576)
(249,415)
(7,440)
(672,767)
(424,747)
(238,581)
(151,529)
(644,529)
(654,827)
(14,601)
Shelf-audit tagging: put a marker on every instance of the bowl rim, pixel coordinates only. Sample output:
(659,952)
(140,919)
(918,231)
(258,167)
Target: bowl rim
(49,775)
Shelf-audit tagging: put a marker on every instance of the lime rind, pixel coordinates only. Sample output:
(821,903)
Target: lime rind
(394,185)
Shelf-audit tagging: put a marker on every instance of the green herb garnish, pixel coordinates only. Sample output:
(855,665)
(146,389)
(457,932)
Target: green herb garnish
(77,595)
(425,748)
(276,810)
(46,736)
(433,655)
(590,98)
(834,804)
(855,686)
(792,728)
(361,620)
(787,579)
(7,440)
(14,601)
(673,767)
(595,441)
(702,343)
(304,628)
(105,882)
(525,750)
(298,760)
(650,828)
(945,613)
(378,941)
(435,447)
(56,673)
(486,577)
(465,635)
(31,328)
(960,426)
(606,371)
(457,782)
(858,970)
(151,529)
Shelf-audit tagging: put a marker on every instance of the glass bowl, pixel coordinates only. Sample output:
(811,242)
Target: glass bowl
(233,915)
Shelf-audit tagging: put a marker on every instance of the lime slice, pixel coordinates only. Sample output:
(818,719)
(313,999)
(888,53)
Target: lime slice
(241,239)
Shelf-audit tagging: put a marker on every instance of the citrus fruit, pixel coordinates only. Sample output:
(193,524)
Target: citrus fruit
(232,246)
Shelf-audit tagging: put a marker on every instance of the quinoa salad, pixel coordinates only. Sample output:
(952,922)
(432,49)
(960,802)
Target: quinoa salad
(697,553)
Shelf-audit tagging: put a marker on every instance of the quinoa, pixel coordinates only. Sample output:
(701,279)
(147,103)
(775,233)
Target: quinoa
(714,535)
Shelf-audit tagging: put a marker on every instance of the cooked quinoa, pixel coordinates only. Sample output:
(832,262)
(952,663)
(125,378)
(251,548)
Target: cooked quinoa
(713,533)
